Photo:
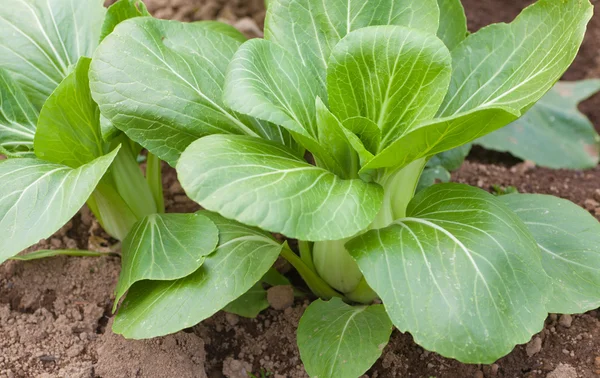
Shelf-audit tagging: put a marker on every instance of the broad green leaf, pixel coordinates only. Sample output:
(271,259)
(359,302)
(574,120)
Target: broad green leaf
(453,23)
(268,83)
(461,273)
(181,102)
(37,198)
(498,73)
(68,129)
(441,135)
(226,29)
(42,39)
(514,65)
(338,340)
(157,308)
(263,184)
(120,11)
(310,29)
(17,117)
(553,133)
(251,303)
(392,75)
(569,238)
(45,253)
(165,247)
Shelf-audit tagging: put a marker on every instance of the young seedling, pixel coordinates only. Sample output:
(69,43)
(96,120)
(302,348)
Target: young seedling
(372,89)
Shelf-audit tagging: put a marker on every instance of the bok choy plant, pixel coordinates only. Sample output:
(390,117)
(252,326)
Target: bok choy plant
(372,90)
(61,154)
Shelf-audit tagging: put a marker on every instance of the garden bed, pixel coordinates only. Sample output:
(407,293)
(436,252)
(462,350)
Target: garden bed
(55,313)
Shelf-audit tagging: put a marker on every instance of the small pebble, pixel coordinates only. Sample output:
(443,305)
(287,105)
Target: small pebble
(280,297)
(494,370)
(565,321)
(478,374)
(232,319)
(534,346)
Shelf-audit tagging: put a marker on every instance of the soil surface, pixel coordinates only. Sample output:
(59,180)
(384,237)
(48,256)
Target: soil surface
(55,313)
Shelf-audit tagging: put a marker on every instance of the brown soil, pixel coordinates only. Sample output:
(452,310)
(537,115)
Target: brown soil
(54,313)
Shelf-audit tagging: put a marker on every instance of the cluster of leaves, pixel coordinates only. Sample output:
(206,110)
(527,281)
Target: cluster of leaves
(380,92)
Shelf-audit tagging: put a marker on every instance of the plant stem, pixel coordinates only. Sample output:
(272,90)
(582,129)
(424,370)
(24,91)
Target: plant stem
(314,282)
(131,183)
(154,179)
(399,188)
(306,254)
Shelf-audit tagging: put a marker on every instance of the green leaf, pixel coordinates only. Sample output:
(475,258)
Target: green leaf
(553,133)
(157,308)
(310,29)
(187,63)
(461,273)
(120,11)
(165,247)
(568,237)
(41,40)
(335,152)
(37,198)
(367,131)
(453,23)
(392,75)
(431,176)
(17,117)
(263,184)
(68,129)
(268,83)
(451,159)
(514,65)
(45,253)
(441,135)
(498,73)
(224,28)
(250,304)
(338,340)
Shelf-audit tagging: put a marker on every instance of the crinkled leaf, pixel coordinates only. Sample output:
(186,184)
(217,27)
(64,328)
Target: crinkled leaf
(41,40)
(498,73)
(453,23)
(37,198)
(338,340)
(161,82)
(266,82)
(18,117)
(461,273)
(68,129)
(263,184)
(156,308)
(310,29)
(553,133)
(120,11)
(392,75)
(164,247)
(250,304)
(569,238)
